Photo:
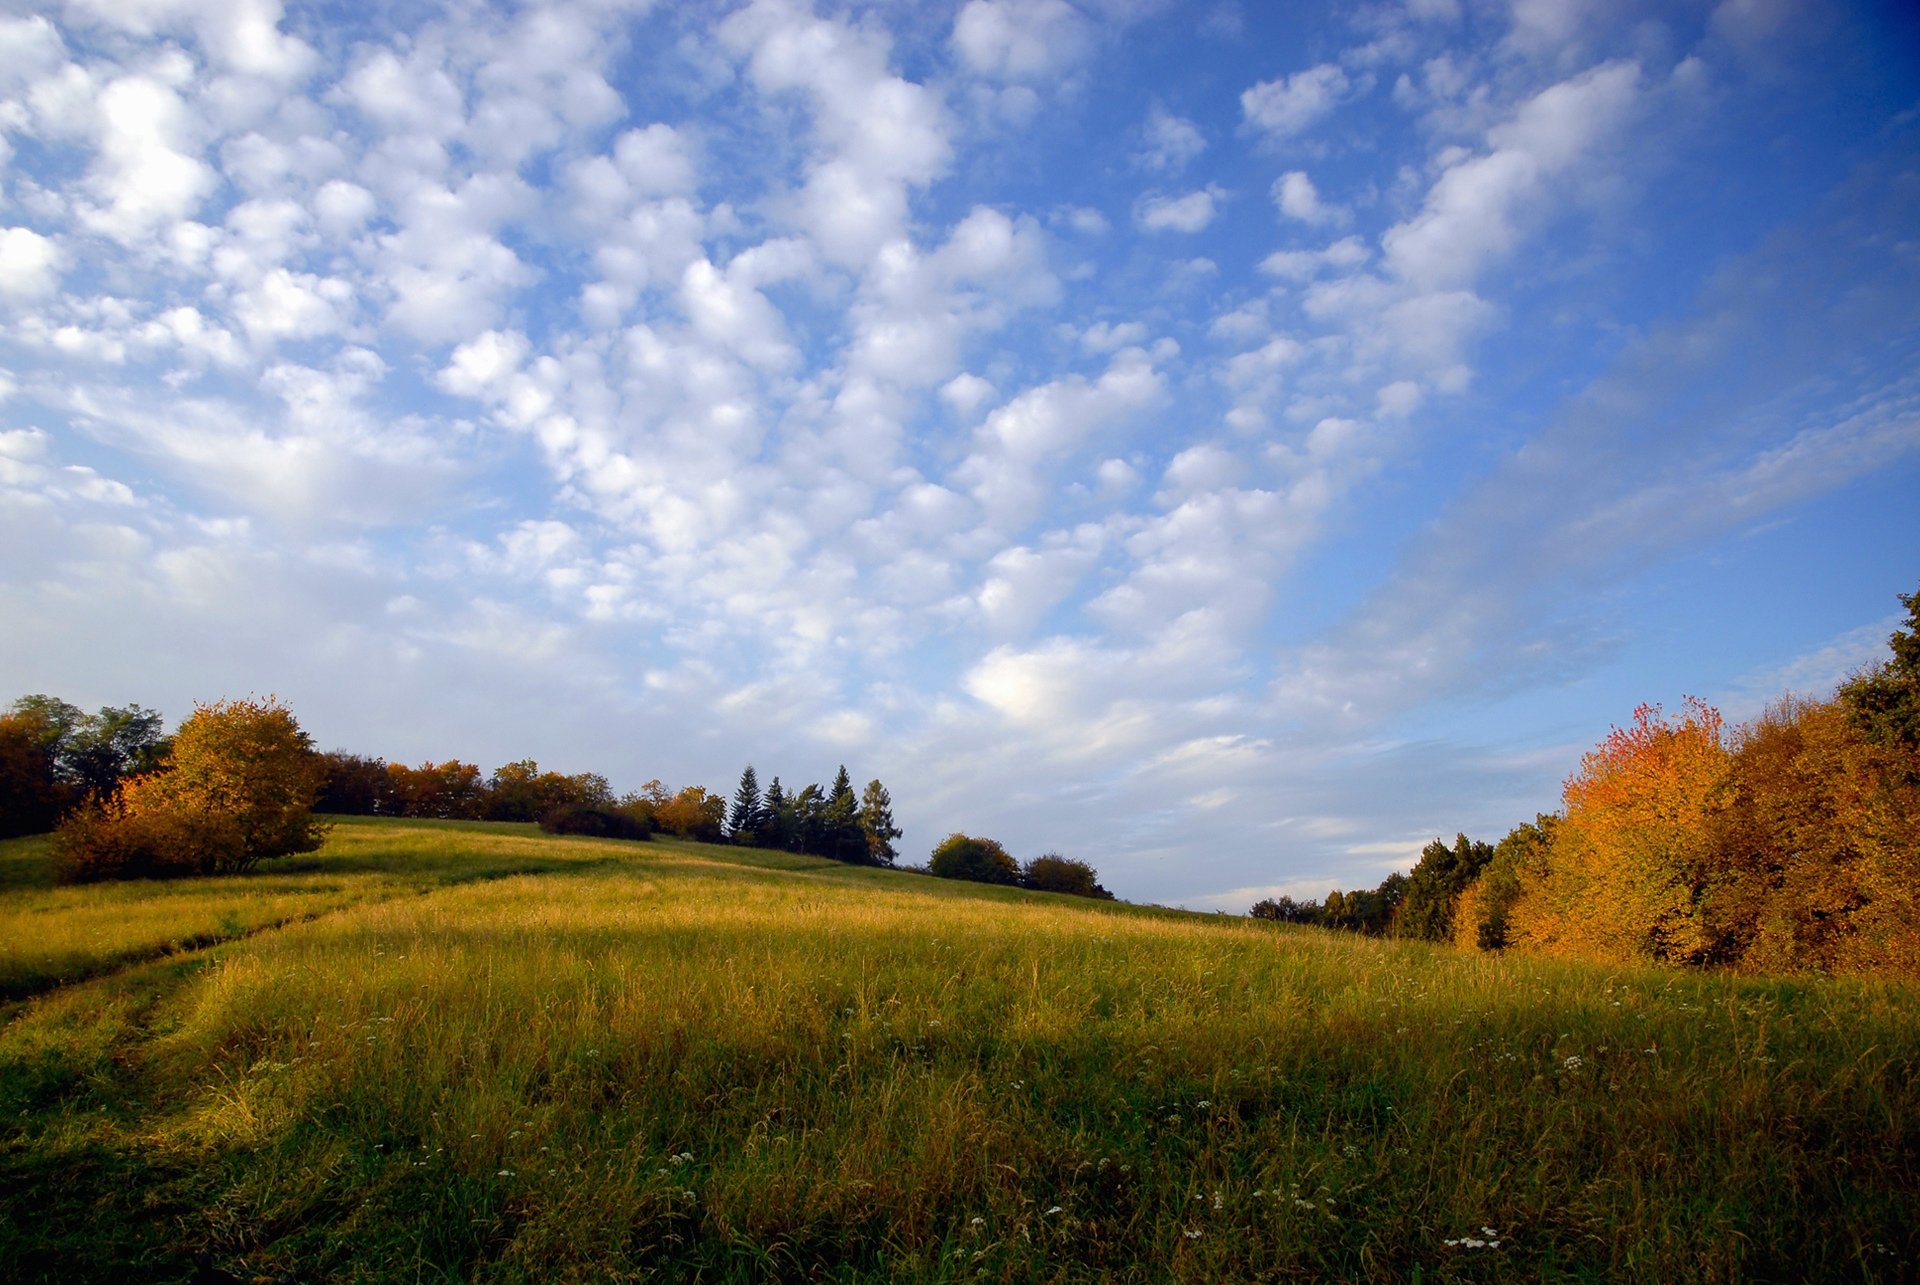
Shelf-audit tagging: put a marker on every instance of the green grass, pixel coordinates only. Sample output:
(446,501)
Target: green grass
(480,1053)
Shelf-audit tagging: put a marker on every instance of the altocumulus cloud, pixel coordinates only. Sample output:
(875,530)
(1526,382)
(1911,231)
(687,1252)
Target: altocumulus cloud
(1231,452)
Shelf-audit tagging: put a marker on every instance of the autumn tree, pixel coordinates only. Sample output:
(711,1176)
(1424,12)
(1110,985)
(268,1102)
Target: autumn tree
(1633,874)
(1519,861)
(237,789)
(353,785)
(876,823)
(961,856)
(693,813)
(32,797)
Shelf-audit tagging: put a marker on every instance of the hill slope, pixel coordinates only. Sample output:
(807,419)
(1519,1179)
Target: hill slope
(454,1052)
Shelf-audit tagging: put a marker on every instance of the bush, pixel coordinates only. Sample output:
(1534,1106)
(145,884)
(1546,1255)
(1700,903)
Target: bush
(597,823)
(237,789)
(1051,872)
(962,856)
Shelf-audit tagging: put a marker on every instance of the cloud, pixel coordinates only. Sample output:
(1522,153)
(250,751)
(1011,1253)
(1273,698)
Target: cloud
(1021,40)
(30,264)
(1291,105)
(1188,214)
(1171,142)
(1297,198)
(1472,212)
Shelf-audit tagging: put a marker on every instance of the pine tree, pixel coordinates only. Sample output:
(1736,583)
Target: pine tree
(747,818)
(876,823)
(841,821)
(777,830)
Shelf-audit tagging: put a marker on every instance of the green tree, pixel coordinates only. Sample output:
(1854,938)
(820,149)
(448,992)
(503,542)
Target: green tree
(1435,885)
(840,821)
(1051,872)
(962,856)
(1884,700)
(745,820)
(876,823)
(780,829)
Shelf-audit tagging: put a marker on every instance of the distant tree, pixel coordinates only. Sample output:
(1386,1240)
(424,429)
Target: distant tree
(1051,872)
(92,753)
(693,813)
(449,791)
(962,856)
(746,818)
(1519,861)
(841,835)
(1434,887)
(809,808)
(238,789)
(105,748)
(595,821)
(32,797)
(521,791)
(876,823)
(353,785)
(779,826)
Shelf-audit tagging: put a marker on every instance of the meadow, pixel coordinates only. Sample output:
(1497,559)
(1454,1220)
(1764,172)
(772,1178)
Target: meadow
(452,1052)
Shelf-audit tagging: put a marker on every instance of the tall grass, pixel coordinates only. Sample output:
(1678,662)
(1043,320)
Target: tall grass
(704,1064)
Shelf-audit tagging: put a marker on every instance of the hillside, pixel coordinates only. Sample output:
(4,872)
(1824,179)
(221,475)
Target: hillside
(442,1051)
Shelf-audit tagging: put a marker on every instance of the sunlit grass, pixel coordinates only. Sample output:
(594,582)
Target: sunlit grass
(746,1066)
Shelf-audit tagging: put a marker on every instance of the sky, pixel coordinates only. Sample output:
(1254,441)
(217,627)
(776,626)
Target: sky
(1231,444)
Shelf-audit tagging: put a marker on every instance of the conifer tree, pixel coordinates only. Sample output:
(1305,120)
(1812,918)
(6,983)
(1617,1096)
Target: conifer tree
(876,823)
(777,830)
(748,816)
(840,822)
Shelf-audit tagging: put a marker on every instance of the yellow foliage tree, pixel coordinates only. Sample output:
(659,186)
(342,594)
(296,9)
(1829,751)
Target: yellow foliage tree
(1633,873)
(237,789)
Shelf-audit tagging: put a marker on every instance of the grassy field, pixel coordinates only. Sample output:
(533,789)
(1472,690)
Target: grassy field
(443,1053)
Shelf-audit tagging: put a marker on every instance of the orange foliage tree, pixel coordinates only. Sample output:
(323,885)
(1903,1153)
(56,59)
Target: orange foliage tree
(1633,872)
(238,787)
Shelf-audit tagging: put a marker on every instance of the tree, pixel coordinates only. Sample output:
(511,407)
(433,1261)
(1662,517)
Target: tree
(809,821)
(90,754)
(841,836)
(780,828)
(1884,700)
(1051,872)
(238,788)
(1519,861)
(876,823)
(746,819)
(353,785)
(962,856)
(32,798)
(1634,875)
(1435,885)
(693,814)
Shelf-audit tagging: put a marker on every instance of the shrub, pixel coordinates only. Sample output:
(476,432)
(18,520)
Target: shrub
(238,788)
(962,856)
(598,823)
(1051,872)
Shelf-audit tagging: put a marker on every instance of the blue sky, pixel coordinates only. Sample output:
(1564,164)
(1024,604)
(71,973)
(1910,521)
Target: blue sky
(1229,443)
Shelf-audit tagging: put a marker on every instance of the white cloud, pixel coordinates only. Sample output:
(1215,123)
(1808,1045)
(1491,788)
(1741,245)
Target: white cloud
(1021,40)
(1297,198)
(1473,211)
(30,264)
(1189,214)
(147,172)
(1171,142)
(1293,104)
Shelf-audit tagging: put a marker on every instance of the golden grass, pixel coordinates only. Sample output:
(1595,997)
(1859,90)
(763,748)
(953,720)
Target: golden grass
(704,1063)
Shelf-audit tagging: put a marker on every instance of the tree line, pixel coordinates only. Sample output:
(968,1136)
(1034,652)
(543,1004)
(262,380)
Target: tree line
(1791,843)
(240,782)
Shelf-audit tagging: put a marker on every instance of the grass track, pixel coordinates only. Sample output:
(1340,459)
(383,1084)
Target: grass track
(480,1053)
